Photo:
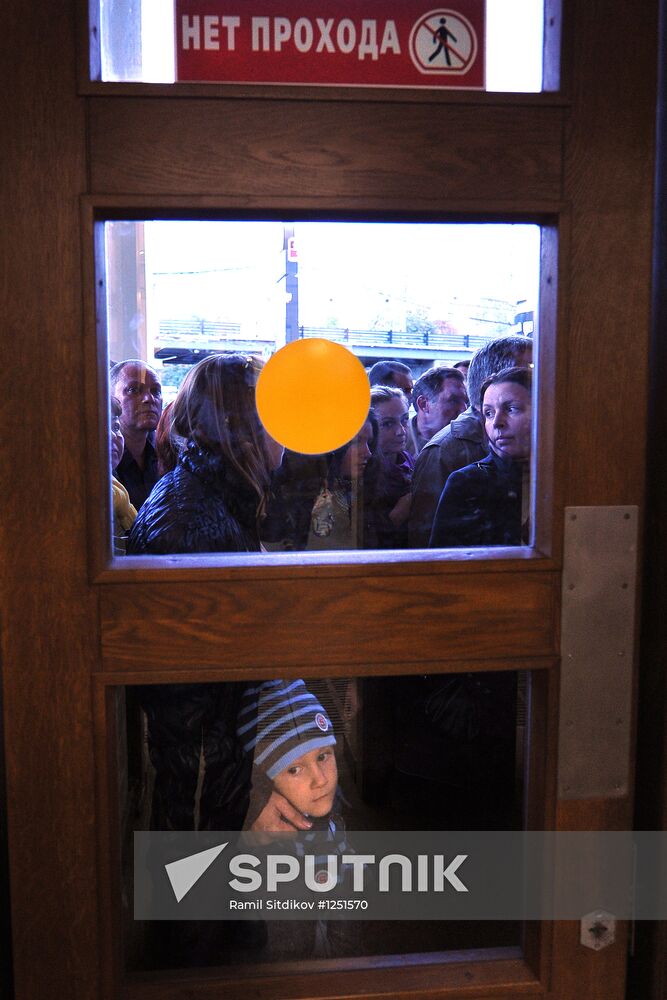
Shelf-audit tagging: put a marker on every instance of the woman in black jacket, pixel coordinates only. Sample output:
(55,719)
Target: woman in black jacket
(212,501)
(215,497)
(473,716)
(488,502)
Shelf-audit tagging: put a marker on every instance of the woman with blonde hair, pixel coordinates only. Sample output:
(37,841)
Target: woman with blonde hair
(215,497)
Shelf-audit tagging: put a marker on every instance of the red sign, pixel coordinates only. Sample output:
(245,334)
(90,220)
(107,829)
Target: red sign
(362,43)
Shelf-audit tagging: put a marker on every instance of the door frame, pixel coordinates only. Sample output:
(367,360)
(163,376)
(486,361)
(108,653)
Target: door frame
(61,625)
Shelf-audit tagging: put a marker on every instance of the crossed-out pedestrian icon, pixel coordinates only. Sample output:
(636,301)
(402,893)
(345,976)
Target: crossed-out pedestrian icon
(442,36)
(443,41)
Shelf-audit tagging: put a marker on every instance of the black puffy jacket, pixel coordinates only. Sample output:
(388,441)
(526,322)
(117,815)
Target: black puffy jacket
(204,505)
(480,505)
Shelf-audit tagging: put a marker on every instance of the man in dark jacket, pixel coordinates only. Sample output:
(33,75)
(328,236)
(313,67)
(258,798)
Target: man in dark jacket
(438,397)
(138,390)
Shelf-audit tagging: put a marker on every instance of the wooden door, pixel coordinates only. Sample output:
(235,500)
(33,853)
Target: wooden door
(578,161)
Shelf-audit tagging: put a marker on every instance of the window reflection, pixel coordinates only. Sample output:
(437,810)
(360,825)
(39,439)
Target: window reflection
(202,472)
(339,755)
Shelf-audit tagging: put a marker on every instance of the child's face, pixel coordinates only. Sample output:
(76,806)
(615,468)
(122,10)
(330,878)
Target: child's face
(310,782)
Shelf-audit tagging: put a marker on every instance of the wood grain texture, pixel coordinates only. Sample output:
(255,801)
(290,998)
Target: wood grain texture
(464,975)
(258,624)
(587,973)
(233,672)
(406,155)
(351,565)
(48,611)
(607,161)
(109,742)
(299,94)
(608,180)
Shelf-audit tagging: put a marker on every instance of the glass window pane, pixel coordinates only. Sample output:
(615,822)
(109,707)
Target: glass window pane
(414,302)
(137,42)
(347,755)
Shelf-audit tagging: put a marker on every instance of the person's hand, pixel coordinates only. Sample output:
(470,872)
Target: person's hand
(399,514)
(279,815)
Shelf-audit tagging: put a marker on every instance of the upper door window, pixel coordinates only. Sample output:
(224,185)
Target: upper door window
(495,45)
(436,322)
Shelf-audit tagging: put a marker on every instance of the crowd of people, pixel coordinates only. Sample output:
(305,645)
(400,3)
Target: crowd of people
(204,476)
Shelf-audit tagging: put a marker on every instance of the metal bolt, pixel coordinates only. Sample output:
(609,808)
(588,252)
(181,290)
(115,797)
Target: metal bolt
(598,929)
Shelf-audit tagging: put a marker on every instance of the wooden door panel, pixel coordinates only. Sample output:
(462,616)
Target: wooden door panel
(326,151)
(589,155)
(494,970)
(266,623)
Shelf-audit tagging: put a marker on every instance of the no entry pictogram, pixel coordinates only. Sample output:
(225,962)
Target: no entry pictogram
(363,43)
(443,42)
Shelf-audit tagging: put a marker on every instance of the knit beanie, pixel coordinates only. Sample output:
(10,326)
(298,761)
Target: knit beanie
(281,721)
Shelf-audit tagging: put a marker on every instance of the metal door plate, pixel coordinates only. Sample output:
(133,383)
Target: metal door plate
(597,642)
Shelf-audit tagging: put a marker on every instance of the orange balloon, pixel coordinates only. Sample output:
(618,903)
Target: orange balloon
(313,396)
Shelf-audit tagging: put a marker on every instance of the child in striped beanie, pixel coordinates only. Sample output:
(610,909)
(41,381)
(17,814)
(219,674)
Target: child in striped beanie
(291,736)
(292,739)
